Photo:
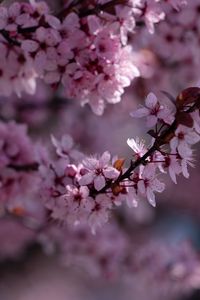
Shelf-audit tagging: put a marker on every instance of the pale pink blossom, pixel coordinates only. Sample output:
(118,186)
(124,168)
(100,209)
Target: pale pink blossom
(183,139)
(65,147)
(126,22)
(77,204)
(150,184)
(99,171)
(100,212)
(154,111)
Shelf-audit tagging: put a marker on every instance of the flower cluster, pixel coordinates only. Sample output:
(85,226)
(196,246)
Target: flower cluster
(86,191)
(85,52)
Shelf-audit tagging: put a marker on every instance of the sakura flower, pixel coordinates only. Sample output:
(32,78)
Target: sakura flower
(99,171)
(78,204)
(153,14)
(65,147)
(154,111)
(72,36)
(184,137)
(107,46)
(150,184)
(8,17)
(127,22)
(43,47)
(100,212)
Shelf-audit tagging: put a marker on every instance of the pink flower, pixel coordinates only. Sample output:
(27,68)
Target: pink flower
(152,15)
(100,212)
(65,147)
(107,46)
(126,22)
(78,204)
(8,17)
(154,111)
(184,137)
(99,171)
(43,46)
(150,184)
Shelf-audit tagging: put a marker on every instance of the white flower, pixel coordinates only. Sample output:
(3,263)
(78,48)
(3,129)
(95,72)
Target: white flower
(137,146)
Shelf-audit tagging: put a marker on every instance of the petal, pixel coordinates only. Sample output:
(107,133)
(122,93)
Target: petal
(172,174)
(52,77)
(185,169)
(174,144)
(84,191)
(104,159)
(29,46)
(151,197)
(193,138)
(131,199)
(132,144)
(86,179)
(141,187)
(52,21)
(157,186)
(111,173)
(184,149)
(40,61)
(151,100)
(140,113)
(151,121)
(99,182)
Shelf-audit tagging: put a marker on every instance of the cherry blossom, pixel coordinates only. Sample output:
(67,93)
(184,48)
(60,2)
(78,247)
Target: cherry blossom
(184,137)
(154,111)
(150,184)
(100,212)
(99,171)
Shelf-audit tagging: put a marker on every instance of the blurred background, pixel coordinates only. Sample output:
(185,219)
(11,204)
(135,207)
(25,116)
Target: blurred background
(146,253)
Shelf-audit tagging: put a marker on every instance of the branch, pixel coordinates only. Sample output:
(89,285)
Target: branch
(24,168)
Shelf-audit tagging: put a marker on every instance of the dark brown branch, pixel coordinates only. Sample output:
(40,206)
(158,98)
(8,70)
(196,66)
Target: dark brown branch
(10,40)
(24,168)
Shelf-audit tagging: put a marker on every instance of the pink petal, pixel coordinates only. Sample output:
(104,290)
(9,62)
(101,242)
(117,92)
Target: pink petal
(151,197)
(104,159)
(140,113)
(86,179)
(111,173)
(141,187)
(151,121)
(99,182)
(151,100)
